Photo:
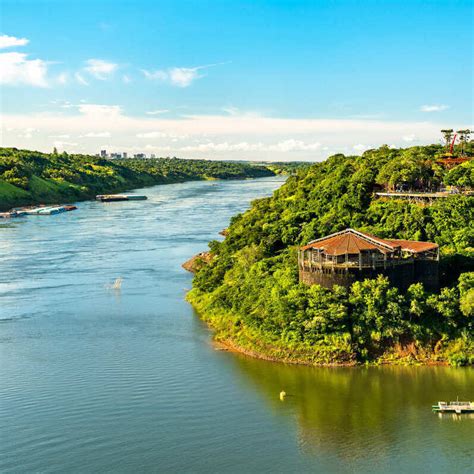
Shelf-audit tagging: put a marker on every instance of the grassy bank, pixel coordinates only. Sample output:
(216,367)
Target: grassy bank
(29,177)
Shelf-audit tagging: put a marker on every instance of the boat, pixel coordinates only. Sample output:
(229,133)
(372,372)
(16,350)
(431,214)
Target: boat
(34,210)
(41,210)
(111,197)
(120,197)
(453,407)
(12,214)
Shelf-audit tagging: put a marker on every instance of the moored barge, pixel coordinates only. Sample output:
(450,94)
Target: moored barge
(120,197)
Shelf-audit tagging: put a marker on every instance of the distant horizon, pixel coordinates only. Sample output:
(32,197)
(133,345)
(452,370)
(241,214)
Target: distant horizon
(243,159)
(267,80)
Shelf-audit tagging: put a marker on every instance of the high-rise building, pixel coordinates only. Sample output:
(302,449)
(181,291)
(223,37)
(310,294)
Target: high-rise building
(124,154)
(103,153)
(152,155)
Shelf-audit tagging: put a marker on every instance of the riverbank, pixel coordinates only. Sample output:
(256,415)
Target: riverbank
(231,335)
(31,178)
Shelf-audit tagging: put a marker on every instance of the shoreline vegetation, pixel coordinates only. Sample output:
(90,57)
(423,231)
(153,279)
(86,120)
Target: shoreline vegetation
(31,177)
(247,288)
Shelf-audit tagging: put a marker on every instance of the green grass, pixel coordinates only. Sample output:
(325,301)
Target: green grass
(49,190)
(11,196)
(42,191)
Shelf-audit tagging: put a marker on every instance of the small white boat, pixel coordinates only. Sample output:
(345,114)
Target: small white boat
(454,407)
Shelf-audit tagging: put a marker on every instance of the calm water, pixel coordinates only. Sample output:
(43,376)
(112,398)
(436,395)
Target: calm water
(97,380)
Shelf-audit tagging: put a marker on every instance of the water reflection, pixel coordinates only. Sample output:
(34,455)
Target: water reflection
(353,413)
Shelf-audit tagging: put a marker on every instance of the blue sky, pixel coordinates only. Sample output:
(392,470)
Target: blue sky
(283,80)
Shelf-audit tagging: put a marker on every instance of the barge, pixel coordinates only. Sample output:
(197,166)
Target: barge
(120,197)
(12,214)
(42,210)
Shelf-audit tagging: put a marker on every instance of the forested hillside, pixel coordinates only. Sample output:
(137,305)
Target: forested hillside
(250,291)
(30,177)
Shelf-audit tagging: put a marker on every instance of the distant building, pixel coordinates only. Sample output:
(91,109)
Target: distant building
(103,153)
(152,155)
(139,155)
(350,255)
(124,154)
(115,155)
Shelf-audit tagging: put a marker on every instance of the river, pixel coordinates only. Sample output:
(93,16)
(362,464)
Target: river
(100,380)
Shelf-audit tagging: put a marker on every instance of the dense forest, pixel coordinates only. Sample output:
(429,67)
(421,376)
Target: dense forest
(250,293)
(31,177)
(286,167)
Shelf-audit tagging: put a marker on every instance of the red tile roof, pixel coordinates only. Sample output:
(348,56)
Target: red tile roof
(351,241)
(414,246)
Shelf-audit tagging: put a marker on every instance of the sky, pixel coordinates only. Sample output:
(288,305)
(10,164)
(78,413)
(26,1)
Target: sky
(252,80)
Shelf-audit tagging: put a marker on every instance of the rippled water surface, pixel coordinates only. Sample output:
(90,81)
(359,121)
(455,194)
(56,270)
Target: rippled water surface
(98,380)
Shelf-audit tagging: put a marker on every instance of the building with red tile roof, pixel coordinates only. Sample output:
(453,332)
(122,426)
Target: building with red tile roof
(351,255)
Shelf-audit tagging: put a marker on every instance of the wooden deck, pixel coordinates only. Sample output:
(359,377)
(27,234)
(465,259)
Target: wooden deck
(426,197)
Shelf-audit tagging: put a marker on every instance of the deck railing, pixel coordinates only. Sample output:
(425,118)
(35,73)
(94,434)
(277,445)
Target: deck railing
(308,265)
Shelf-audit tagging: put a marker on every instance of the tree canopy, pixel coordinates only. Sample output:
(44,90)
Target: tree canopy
(29,177)
(250,291)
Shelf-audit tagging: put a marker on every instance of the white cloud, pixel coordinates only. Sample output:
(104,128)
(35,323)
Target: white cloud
(80,79)
(360,148)
(216,136)
(27,133)
(100,69)
(282,146)
(10,41)
(295,145)
(99,111)
(157,112)
(409,138)
(231,110)
(183,76)
(96,135)
(62,78)
(61,145)
(223,147)
(151,135)
(65,104)
(433,108)
(177,76)
(126,79)
(17,69)
(225,125)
